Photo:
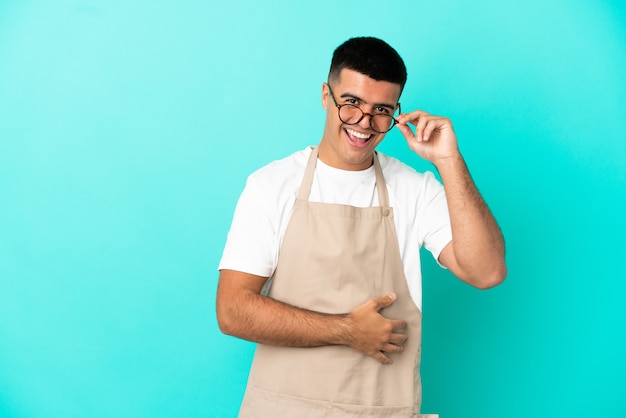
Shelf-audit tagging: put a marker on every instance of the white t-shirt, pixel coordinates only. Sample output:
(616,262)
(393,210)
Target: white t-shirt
(264,209)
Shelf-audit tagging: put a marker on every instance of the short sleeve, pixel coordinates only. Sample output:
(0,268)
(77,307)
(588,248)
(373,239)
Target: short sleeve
(435,231)
(251,242)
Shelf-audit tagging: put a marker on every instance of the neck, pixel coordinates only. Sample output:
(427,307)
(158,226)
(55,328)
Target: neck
(333,158)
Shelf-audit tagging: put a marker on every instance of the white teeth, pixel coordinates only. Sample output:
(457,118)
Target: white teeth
(358,134)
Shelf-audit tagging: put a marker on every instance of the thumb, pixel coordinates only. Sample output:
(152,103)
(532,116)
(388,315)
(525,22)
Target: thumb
(406,132)
(384,301)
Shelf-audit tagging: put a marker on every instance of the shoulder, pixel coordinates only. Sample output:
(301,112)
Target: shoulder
(410,191)
(400,175)
(283,175)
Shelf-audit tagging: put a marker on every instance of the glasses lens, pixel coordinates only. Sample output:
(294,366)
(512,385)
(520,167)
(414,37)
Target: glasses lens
(350,114)
(382,123)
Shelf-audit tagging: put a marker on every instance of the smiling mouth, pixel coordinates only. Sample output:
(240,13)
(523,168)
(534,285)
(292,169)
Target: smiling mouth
(357,137)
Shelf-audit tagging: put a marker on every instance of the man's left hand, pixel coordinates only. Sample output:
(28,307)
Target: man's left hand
(434,138)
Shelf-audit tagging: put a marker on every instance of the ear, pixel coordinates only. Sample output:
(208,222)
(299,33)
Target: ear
(325,96)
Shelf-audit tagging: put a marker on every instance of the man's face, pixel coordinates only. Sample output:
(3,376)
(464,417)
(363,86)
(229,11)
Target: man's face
(350,147)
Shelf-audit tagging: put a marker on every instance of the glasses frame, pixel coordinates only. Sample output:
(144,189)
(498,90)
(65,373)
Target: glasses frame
(363,114)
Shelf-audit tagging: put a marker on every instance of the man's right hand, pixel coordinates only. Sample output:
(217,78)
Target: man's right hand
(374,335)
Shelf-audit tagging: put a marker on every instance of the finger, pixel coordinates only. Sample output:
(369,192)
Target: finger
(419,128)
(392,348)
(406,132)
(411,117)
(397,324)
(378,355)
(397,339)
(384,301)
(429,128)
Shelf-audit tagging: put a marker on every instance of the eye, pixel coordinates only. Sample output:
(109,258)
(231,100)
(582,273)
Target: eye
(352,101)
(380,109)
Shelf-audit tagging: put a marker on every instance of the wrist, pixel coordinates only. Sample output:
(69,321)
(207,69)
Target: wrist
(343,334)
(448,161)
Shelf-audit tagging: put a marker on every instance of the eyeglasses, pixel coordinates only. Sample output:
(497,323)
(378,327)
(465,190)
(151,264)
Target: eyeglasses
(352,114)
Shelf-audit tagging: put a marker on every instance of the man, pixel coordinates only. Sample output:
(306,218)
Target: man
(321,266)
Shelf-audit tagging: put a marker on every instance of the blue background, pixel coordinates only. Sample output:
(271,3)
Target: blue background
(128,128)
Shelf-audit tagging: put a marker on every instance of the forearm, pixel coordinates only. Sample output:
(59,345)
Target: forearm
(476,238)
(265,320)
(243,312)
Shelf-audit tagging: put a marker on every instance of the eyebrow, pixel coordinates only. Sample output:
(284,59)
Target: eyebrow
(353,96)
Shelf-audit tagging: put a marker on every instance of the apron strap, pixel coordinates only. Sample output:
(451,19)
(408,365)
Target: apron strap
(381,185)
(307,180)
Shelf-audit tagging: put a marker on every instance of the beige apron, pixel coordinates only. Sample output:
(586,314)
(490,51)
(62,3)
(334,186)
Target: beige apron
(334,258)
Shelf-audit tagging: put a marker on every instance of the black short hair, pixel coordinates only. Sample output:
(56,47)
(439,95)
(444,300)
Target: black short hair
(372,57)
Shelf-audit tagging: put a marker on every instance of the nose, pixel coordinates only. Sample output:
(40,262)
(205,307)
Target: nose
(366,121)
